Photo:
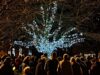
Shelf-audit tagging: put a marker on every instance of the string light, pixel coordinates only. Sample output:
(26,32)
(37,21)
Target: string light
(41,41)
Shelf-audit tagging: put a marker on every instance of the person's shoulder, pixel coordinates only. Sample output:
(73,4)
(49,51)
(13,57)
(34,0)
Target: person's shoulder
(49,60)
(1,66)
(60,62)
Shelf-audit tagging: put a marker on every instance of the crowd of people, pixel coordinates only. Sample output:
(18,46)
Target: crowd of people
(65,65)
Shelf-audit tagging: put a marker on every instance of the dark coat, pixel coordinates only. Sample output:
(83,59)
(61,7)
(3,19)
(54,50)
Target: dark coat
(51,67)
(6,70)
(40,68)
(95,69)
(84,68)
(76,69)
(65,68)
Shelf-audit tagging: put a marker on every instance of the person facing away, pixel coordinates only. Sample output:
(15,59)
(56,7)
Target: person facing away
(64,67)
(40,67)
(26,71)
(6,67)
(77,70)
(51,65)
(95,68)
(83,66)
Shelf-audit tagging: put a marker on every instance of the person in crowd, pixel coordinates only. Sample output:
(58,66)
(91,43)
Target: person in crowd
(83,66)
(45,55)
(26,71)
(51,65)
(65,67)
(95,68)
(40,67)
(3,58)
(88,63)
(59,58)
(25,62)
(18,62)
(77,70)
(32,64)
(6,67)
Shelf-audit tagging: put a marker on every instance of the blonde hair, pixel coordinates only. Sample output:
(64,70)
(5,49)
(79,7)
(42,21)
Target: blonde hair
(72,60)
(26,70)
(65,56)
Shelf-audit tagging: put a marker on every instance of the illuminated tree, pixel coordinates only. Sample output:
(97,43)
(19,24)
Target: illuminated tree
(50,31)
(20,19)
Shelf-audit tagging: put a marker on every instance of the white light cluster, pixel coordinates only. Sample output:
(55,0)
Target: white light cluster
(29,43)
(41,41)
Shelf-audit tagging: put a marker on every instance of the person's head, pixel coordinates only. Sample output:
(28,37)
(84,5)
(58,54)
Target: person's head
(59,58)
(32,58)
(26,71)
(54,55)
(45,54)
(7,60)
(72,60)
(78,60)
(65,57)
(26,59)
(42,56)
(82,58)
(42,60)
(3,57)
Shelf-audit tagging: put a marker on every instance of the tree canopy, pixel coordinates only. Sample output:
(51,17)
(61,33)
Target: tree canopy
(16,14)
